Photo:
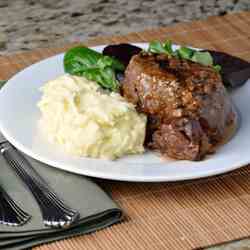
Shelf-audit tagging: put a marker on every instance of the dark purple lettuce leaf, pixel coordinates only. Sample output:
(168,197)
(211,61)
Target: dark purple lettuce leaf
(122,52)
(234,70)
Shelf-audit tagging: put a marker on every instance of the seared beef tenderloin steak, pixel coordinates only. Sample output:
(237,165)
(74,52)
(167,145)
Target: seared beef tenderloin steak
(187,105)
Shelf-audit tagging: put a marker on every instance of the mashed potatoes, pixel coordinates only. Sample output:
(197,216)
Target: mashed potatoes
(87,121)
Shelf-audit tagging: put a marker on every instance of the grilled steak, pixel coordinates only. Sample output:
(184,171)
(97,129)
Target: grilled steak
(187,105)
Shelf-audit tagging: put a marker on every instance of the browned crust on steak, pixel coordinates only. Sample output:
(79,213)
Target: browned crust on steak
(187,105)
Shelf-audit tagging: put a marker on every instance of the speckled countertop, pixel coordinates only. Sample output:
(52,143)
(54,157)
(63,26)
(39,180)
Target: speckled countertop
(28,24)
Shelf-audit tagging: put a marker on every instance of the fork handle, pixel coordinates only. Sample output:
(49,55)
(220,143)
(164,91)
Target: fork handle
(54,211)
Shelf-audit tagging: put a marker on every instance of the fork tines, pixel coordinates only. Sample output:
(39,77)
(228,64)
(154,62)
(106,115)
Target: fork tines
(10,213)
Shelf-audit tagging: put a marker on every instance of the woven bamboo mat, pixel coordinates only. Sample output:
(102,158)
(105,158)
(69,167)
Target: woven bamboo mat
(183,215)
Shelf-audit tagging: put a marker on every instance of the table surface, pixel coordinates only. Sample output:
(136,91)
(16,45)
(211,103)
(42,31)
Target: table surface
(213,37)
(29,24)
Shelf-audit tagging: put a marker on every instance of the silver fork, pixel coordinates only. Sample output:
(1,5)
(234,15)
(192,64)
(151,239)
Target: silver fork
(10,213)
(54,211)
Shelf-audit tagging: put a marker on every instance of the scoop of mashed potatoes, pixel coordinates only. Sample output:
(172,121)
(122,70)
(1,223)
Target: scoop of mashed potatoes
(88,121)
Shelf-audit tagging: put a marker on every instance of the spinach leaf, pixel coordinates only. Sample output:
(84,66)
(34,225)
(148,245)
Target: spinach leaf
(105,77)
(79,58)
(82,61)
(105,61)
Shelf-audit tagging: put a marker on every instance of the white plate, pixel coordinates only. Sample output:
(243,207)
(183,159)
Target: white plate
(19,117)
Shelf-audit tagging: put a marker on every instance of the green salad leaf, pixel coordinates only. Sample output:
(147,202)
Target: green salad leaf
(2,82)
(82,61)
(201,57)
(185,53)
(156,47)
(167,45)
(217,67)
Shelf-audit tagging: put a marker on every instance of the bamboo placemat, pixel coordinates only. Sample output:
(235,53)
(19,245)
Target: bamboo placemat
(183,215)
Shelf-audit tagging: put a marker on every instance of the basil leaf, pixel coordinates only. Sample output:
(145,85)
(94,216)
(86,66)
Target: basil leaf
(185,53)
(167,45)
(217,68)
(203,58)
(156,47)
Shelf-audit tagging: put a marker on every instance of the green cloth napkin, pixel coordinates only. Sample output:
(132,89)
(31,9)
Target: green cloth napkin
(97,209)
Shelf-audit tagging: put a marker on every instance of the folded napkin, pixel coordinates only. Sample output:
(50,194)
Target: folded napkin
(96,208)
